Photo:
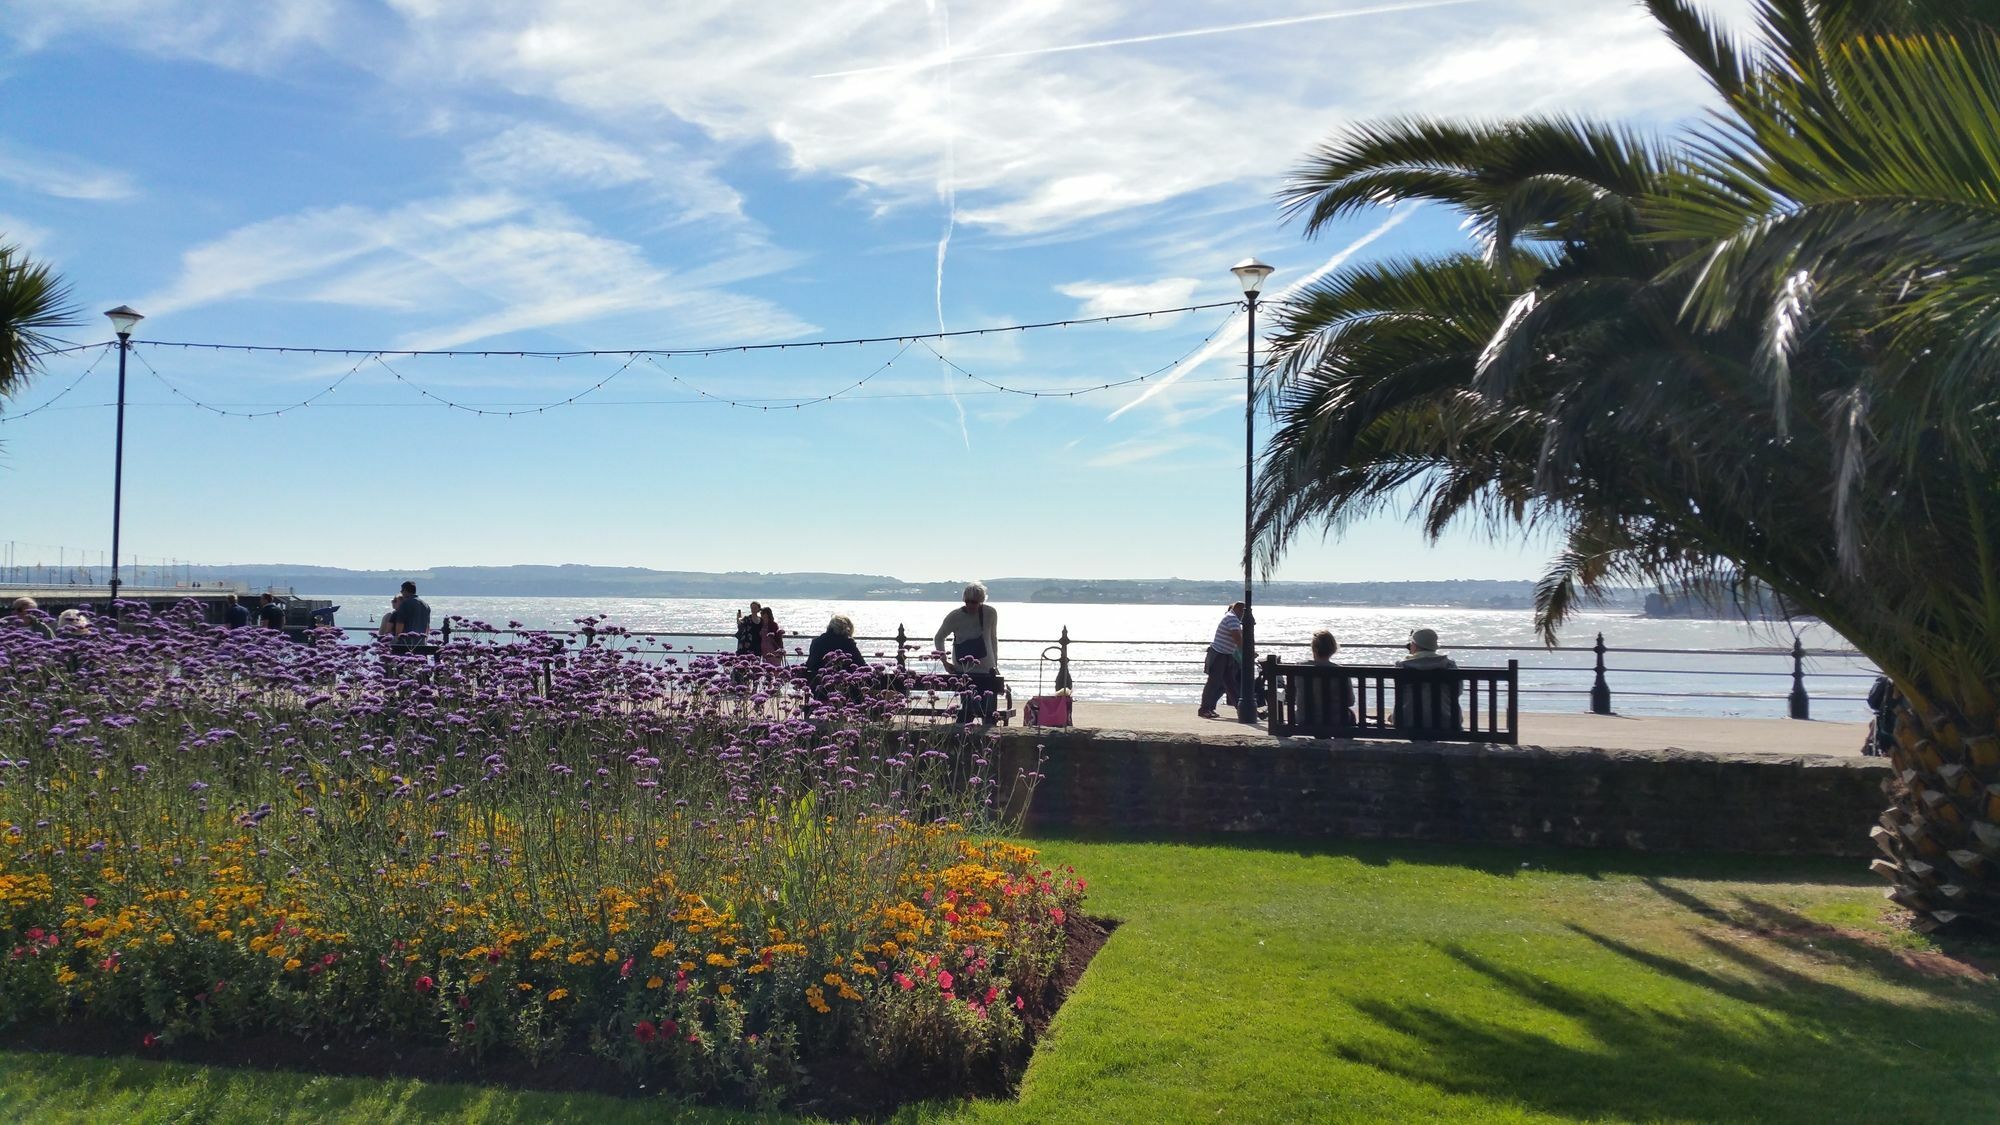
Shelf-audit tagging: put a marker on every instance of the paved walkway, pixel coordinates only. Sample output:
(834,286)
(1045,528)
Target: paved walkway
(1609,732)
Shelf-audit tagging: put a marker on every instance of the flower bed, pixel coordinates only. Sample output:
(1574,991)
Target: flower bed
(685,865)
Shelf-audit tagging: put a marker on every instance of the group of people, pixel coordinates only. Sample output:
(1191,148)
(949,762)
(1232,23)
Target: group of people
(28,613)
(972,628)
(1223,664)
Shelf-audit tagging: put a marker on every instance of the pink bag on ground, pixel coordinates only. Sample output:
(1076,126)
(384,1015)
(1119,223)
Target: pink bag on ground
(1048,711)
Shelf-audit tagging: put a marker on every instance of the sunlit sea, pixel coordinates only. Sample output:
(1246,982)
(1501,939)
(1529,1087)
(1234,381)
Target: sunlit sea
(1152,653)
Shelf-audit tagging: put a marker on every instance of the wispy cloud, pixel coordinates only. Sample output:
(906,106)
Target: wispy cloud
(947,57)
(1233,334)
(1104,298)
(62,176)
(474,267)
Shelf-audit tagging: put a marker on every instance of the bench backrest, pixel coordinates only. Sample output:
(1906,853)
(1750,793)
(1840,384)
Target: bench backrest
(1387,701)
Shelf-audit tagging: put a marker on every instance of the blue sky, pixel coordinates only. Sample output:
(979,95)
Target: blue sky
(624,173)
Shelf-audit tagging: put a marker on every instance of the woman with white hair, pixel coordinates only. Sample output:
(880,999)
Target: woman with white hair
(838,638)
(975,645)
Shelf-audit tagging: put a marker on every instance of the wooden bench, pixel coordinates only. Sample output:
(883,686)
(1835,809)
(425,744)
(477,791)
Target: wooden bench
(1388,701)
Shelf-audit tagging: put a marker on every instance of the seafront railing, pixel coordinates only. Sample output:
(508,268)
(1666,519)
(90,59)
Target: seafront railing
(1597,675)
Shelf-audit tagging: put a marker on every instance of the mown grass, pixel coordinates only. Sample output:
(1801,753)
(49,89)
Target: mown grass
(1371,982)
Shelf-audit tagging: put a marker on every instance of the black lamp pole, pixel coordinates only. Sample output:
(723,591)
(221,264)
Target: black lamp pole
(123,320)
(1251,273)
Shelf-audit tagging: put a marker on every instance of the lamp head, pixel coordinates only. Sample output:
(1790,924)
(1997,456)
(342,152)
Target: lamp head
(1251,273)
(123,319)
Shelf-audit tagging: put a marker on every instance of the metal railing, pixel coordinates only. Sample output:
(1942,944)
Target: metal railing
(1069,655)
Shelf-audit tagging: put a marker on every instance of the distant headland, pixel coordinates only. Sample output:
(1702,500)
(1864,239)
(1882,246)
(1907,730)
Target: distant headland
(584,581)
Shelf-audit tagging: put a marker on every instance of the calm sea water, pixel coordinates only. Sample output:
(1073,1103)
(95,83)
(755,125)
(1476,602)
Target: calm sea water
(1152,653)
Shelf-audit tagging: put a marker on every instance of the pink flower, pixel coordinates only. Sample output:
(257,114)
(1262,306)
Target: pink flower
(991,992)
(1019,1003)
(644,1031)
(149,1040)
(944,980)
(90,902)
(425,984)
(904,982)
(625,970)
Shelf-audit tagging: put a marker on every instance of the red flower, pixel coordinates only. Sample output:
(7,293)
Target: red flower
(425,984)
(90,902)
(1058,915)
(625,970)
(644,1031)
(990,994)
(671,1027)
(315,970)
(465,1003)
(328,959)
(493,957)
(35,933)
(904,982)
(951,916)
(149,1040)
(1019,1003)
(944,979)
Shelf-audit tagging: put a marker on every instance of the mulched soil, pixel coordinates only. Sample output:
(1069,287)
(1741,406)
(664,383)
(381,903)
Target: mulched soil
(836,1087)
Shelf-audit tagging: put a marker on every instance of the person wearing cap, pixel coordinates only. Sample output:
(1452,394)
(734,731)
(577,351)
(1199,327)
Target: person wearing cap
(1428,706)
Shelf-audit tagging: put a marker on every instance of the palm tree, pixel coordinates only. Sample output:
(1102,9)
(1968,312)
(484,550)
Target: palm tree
(33,302)
(1759,353)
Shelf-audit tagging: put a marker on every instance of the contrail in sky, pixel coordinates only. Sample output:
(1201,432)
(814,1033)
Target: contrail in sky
(945,57)
(1234,334)
(948,192)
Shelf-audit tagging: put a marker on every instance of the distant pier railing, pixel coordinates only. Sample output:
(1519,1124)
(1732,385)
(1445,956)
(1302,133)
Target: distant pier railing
(1611,673)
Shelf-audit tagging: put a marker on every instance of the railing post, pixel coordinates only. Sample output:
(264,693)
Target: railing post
(1063,681)
(902,639)
(1600,692)
(1801,705)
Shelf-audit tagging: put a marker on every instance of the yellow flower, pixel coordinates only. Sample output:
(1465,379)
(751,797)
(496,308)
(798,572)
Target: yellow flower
(654,982)
(293,964)
(817,999)
(663,949)
(558,994)
(725,989)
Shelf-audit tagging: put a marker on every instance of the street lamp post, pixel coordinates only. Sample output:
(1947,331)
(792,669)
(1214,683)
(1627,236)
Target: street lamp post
(1251,273)
(123,320)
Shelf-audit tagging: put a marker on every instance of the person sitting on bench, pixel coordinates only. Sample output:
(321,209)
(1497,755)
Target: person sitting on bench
(1325,699)
(1431,705)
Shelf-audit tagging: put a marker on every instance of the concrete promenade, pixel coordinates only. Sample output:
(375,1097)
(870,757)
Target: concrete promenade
(1605,732)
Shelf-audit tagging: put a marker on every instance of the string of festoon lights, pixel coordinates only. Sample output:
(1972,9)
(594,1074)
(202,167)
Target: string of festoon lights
(652,356)
(105,350)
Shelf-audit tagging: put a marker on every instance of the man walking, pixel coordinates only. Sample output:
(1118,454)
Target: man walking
(270,614)
(235,614)
(412,618)
(1223,662)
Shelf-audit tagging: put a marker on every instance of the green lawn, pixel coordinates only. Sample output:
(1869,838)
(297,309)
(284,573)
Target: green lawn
(1358,982)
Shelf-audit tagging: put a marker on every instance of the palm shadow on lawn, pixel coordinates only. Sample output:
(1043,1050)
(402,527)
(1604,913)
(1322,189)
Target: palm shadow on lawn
(1506,859)
(1793,1046)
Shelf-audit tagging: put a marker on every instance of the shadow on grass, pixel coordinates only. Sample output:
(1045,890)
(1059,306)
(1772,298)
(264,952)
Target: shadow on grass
(1509,859)
(1755,1038)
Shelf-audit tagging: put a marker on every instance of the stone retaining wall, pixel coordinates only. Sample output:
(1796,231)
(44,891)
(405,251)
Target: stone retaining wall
(1183,785)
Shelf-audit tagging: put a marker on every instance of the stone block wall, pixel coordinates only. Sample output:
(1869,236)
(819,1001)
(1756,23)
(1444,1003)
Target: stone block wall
(1158,784)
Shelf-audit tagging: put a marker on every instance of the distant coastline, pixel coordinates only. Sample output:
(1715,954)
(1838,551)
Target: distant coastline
(584,581)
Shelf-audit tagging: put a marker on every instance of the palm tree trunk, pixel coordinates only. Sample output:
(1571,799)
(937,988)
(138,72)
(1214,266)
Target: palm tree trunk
(1941,833)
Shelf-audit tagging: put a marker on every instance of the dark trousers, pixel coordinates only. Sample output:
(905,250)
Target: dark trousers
(1225,676)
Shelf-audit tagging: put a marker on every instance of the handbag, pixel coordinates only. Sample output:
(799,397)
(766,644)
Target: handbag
(1048,711)
(973,648)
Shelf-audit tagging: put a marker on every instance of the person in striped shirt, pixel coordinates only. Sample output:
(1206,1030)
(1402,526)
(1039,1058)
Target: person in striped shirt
(1222,662)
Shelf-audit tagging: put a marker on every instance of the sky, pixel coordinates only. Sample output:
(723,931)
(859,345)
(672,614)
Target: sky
(607,174)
